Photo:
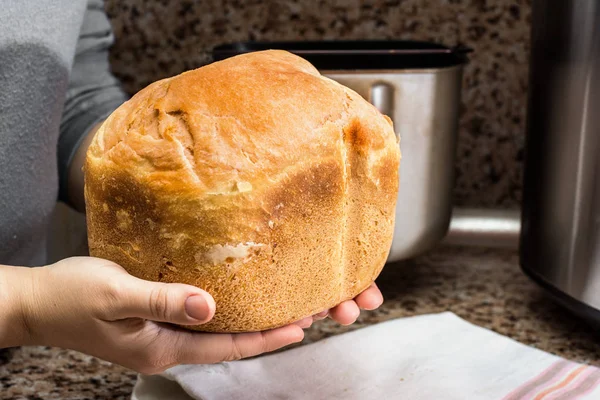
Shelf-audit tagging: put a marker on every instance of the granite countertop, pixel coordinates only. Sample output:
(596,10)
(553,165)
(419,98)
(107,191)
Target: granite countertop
(484,287)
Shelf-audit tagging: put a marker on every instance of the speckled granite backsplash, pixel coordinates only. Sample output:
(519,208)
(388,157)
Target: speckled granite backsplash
(156,39)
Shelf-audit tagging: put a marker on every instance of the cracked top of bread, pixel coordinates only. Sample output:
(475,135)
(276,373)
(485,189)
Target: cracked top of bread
(236,124)
(255,178)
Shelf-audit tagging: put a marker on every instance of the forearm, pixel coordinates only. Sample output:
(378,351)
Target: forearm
(75,172)
(15,284)
(93,94)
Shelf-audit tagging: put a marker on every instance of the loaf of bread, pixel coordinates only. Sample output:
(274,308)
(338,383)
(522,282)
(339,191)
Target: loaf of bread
(254,178)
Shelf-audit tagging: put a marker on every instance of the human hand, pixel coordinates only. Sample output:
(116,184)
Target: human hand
(348,311)
(94,306)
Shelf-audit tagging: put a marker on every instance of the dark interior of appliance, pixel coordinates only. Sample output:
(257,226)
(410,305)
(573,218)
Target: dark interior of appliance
(358,54)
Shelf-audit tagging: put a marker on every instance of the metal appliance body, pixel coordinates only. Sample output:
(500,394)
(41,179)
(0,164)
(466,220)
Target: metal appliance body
(424,106)
(418,85)
(560,239)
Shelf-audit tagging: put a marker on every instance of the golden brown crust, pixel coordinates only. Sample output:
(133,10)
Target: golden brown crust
(254,178)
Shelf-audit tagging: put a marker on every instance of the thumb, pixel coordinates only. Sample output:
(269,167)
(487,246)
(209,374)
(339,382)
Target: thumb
(165,302)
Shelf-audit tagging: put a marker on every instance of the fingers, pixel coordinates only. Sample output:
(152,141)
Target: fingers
(304,323)
(162,302)
(174,347)
(252,344)
(210,348)
(346,313)
(369,299)
(321,315)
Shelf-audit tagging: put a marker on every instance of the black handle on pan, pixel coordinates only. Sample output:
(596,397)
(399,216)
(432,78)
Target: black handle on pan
(454,50)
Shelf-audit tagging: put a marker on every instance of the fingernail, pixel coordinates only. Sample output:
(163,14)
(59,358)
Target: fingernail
(196,307)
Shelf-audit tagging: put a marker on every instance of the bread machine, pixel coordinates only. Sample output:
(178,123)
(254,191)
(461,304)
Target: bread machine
(560,242)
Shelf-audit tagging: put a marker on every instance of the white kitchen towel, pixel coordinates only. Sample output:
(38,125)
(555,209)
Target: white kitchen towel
(438,356)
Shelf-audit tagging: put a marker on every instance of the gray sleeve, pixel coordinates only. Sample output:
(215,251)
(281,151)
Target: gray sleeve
(93,91)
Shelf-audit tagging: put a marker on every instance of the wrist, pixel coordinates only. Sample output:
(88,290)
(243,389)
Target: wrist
(16,285)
